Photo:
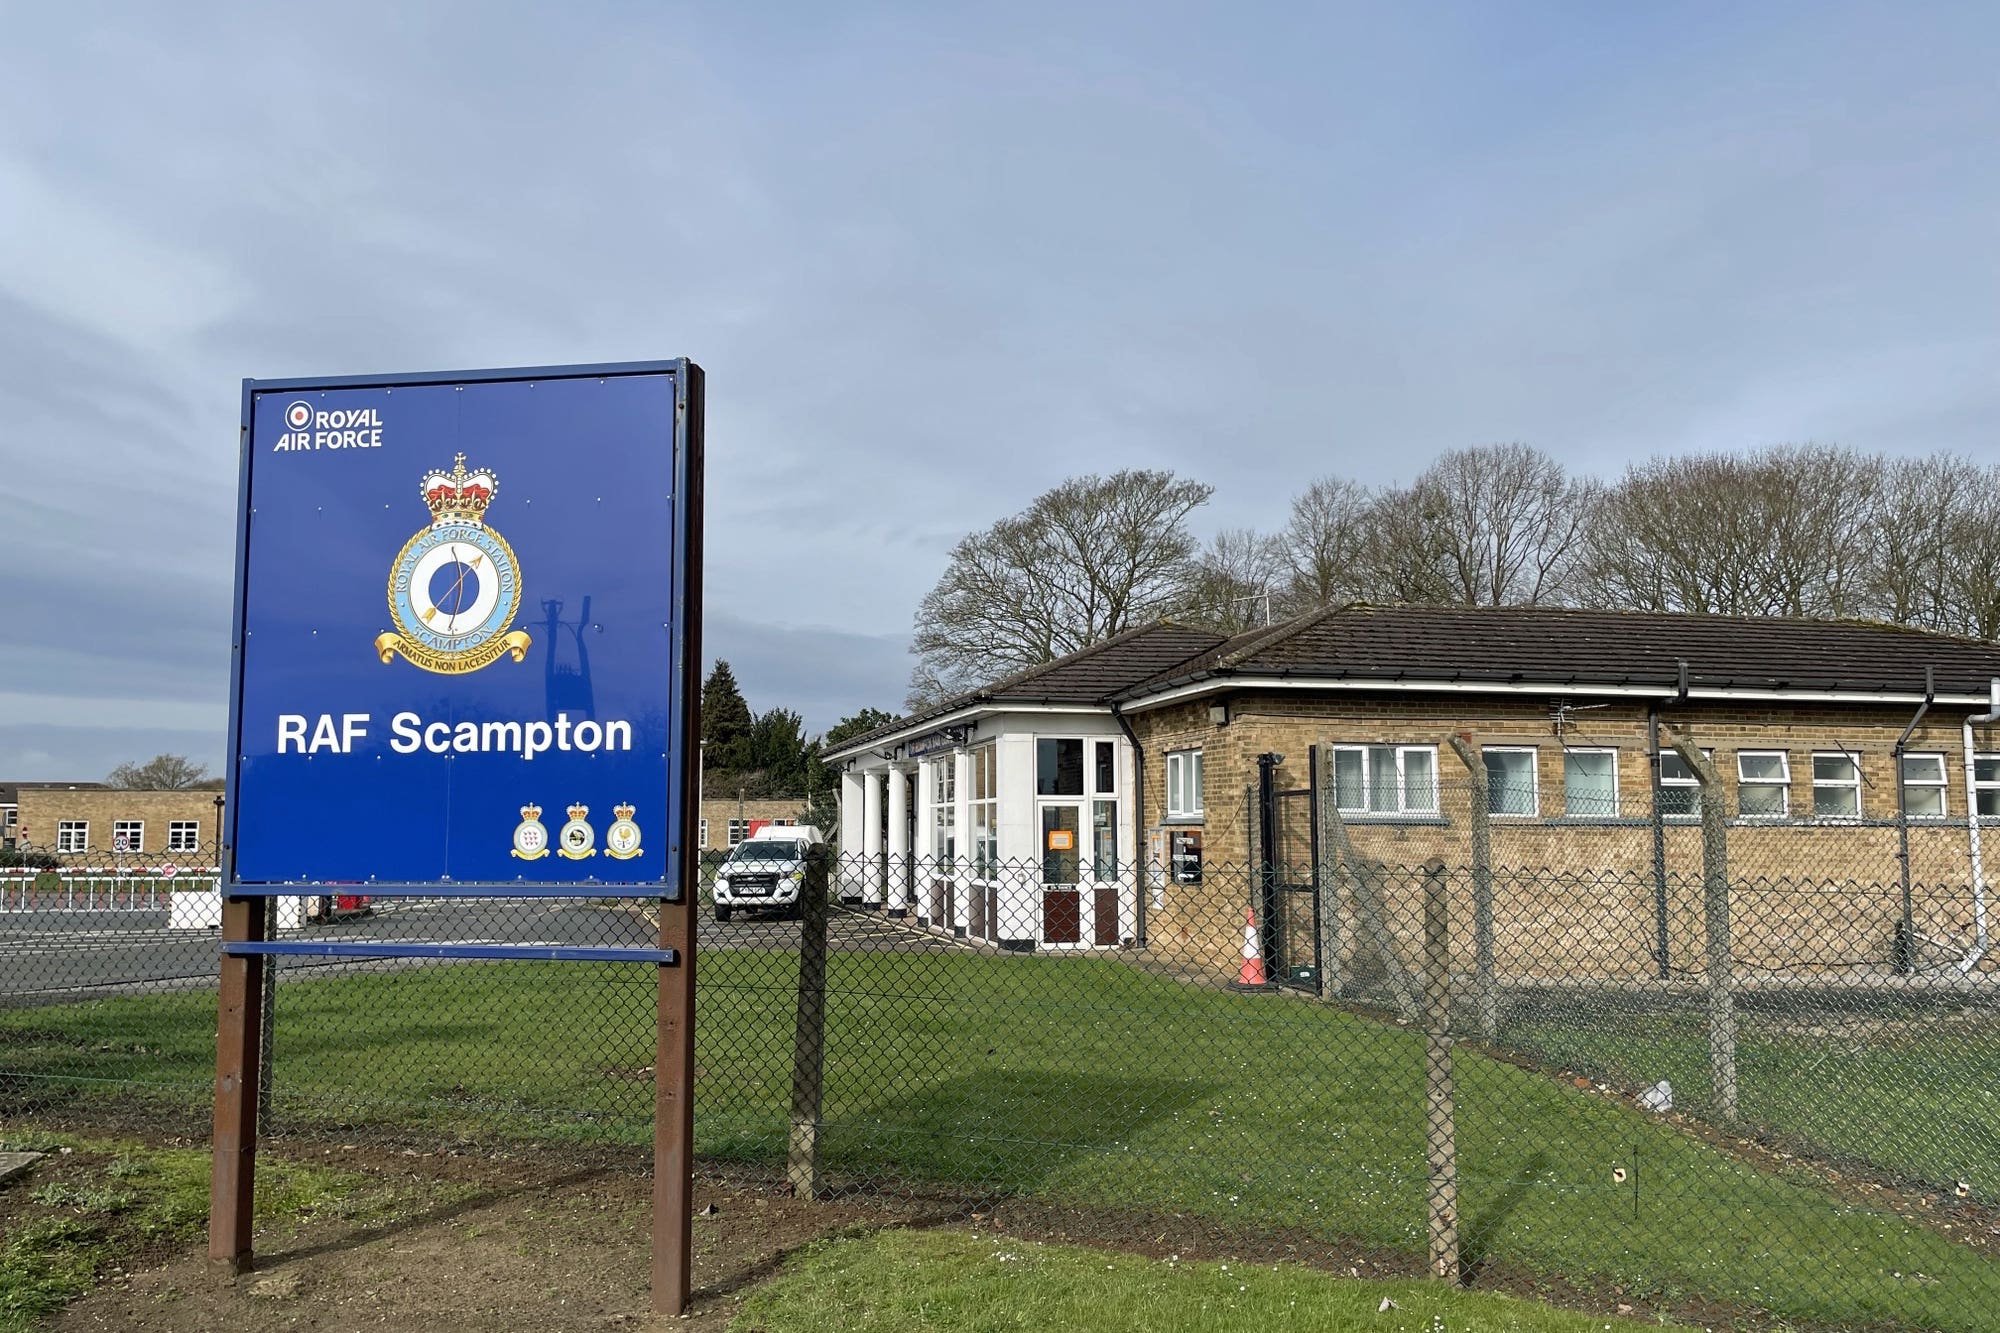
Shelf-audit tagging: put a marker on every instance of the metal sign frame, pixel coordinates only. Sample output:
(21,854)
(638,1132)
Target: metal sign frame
(247,906)
(683,635)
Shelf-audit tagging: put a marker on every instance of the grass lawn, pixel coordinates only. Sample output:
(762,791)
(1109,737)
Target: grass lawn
(1919,1098)
(1076,1080)
(93,1203)
(912,1280)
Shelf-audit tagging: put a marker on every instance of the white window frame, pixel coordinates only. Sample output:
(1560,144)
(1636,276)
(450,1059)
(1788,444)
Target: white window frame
(132,830)
(1981,786)
(983,809)
(1402,811)
(1612,813)
(183,835)
(1681,784)
(1853,761)
(738,831)
(944,810)
(702,833)
(1183,778)
(1942,786)
(1783,784)
(72,836)
(1534,809)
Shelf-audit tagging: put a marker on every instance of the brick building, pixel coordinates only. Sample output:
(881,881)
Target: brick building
(83,822)
(726,822)
(1820,733)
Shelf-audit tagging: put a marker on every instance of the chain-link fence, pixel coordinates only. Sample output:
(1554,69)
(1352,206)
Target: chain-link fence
(1729,1053)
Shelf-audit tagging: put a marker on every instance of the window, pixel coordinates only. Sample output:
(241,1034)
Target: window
(1385,779)
(1986,783)
(985,806)
(1923,786)
(1680,789)
(1104,839)
(128,835)
(183,835)
(1763,784)
(1510,780)
(1058,768)
(944,805)
(1590,784)
(701,831)
(739,829)
(1184,784)
(1107,768)
(73,835)
(1836,786)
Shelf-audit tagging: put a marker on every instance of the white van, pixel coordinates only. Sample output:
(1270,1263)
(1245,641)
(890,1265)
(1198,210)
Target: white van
(767,869)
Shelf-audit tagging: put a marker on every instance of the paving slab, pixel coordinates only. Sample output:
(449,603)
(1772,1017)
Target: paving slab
(14,1164)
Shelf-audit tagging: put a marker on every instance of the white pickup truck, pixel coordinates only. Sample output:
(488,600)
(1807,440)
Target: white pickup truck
(765,870)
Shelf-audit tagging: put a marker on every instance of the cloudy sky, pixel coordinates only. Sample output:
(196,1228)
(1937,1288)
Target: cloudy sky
(937,257)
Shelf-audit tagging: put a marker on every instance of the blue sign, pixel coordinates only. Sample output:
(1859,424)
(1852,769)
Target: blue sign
(467,632)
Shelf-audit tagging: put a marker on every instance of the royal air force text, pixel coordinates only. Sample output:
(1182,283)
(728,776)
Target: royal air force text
(343,428)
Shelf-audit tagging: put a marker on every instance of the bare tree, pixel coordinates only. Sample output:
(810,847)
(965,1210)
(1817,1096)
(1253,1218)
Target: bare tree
(1324,546)
(1919,510)
(1787,531)
(1231,586)
(1499,525)
(1972,572)
(1091,558)
(163,772)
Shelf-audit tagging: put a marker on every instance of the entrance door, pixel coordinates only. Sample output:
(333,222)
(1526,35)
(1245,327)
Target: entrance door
(1062,857)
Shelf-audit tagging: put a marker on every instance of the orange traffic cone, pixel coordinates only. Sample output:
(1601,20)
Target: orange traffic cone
(1252,971)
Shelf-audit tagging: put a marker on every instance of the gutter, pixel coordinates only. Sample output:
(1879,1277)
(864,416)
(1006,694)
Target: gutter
(1992,714)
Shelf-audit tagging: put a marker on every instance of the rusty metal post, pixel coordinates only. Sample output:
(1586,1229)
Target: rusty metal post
(1440,1125)
(1717,967)
(809,1032)
(238,1039)
(1486,986)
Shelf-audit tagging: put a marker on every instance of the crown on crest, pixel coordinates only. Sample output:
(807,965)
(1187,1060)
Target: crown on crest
(578,811)
(621,811)
(531,811)
(458,494)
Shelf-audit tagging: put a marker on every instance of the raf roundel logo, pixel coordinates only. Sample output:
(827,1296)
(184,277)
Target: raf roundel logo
(455,586)
(299,415)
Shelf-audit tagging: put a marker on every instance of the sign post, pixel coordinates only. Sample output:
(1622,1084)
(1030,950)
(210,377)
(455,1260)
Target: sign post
(411,713)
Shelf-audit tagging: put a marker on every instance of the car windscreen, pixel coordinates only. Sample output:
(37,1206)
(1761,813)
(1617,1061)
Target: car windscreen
(774,849)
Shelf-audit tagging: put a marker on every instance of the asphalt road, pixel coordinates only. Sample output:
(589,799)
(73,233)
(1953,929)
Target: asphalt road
(55,955)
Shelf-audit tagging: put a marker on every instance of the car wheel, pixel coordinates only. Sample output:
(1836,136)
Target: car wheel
(721,912)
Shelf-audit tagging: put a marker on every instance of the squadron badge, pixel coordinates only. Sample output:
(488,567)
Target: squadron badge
(454,587)
(531,839)
(621,840)
(577,840)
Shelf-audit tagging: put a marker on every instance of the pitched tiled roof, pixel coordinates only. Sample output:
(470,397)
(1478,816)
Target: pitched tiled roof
(1087,677)
(1552,645)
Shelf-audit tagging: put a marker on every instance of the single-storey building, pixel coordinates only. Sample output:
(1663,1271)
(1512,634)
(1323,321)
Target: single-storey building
(88,823)
(1112,797)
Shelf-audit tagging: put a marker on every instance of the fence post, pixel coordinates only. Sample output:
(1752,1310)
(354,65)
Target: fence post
(1715,924)
(1486,986)
(1372,915)
(1326,875)
(809,1031)
(1440,1130)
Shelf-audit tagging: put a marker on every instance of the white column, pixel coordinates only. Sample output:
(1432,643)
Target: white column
(848,870)
(871,839)
(961,822)
(899,842)
(926,869)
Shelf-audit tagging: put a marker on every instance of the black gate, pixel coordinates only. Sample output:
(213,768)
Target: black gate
(1288,875)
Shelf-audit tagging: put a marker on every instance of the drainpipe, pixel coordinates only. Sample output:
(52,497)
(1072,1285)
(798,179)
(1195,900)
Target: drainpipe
(1142,891)
(1905,952)
(1992,714)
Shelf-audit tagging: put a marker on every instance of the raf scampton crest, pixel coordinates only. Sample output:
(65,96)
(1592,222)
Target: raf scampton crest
(455,586)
